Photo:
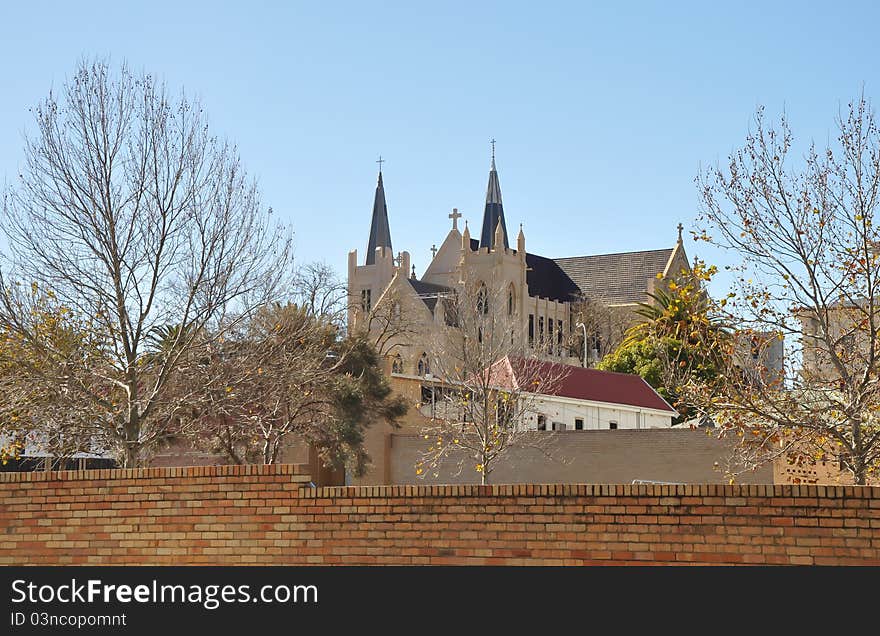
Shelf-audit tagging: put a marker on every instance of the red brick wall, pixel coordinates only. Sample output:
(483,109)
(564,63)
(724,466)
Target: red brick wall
(240,515)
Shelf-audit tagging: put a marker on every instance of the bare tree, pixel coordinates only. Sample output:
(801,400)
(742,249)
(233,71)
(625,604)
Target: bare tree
(487,392)
(391,325)
(604,325)
(318,289)
(808,237)
(135,217)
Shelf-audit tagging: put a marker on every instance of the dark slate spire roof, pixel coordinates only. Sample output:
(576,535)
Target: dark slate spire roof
(380,234)
(546,279)
(494,210)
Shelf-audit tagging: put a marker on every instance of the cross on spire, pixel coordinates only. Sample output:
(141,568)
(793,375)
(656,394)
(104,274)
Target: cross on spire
(455,216)
(380,162)
(492,141)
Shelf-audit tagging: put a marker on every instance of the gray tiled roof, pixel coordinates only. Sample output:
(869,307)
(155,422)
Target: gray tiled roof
(429,292)
(615,278)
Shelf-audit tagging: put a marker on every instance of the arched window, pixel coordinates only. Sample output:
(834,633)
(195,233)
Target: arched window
(395,310)
(511,300)
(482,299)
(397,364)
(423,367)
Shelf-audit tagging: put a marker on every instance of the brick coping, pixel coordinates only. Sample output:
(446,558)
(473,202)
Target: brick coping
(598,490)
(462,490)
(156,473)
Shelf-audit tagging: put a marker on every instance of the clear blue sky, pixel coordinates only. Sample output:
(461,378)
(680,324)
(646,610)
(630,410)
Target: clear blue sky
(603,111)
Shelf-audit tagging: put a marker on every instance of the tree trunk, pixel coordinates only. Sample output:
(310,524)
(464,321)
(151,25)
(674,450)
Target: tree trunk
(857,461)
(131,457)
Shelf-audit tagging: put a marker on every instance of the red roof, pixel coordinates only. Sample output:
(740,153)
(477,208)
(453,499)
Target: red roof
(584,384)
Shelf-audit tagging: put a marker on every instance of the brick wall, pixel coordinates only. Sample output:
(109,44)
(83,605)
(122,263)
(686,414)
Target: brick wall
(268,514)
(593,457)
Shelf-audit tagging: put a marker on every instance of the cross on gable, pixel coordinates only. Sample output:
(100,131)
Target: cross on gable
(433,251)
(455,216)
(397,260)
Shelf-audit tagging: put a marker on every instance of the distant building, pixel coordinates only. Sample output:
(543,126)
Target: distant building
(31,456)
(761,356)
(540,293)
(588,399)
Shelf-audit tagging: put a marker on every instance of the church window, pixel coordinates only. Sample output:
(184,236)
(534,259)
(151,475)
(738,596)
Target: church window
(482,299)
(578,424)
(541,330)
(423,368)
(531,330)
(542,423)
(511,301)
(395,310)
(397,364)
(366,303)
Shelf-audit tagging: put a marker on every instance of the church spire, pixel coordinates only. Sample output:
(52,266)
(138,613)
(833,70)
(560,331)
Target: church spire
(380,234)
(494,212)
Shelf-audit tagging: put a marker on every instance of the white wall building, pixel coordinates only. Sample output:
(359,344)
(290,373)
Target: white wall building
(589,399)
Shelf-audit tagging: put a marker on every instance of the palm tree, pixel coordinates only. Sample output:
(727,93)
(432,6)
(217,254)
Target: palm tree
(683,313)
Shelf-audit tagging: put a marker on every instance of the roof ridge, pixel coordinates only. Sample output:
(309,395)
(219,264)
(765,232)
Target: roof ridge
(634,387)
(564,258)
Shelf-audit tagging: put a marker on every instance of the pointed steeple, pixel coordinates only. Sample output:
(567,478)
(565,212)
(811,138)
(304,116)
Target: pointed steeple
(500,236)
(494,212)
(380,234)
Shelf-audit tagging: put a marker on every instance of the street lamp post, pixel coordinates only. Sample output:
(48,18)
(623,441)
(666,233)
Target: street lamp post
(584,327)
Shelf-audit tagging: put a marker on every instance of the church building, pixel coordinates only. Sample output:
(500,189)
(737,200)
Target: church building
(546,296)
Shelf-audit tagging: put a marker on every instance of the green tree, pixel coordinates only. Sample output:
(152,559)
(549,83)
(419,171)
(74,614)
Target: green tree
(679,342)
(49,395)
(287,376)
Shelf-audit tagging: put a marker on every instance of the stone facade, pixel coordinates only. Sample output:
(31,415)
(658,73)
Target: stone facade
(541,294)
